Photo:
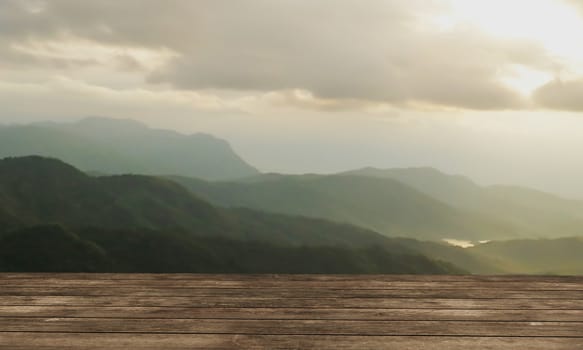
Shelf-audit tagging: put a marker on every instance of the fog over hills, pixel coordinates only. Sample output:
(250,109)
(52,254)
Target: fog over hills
(200,190)
(408,202)
(383,205)
(418,202)
(531,212)
(544,256)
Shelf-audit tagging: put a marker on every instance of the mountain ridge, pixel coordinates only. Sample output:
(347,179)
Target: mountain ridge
(148,213)
(383,205)
(118,146)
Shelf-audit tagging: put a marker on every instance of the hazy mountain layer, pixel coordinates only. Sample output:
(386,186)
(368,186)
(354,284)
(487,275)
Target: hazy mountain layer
(116,146)
(384,205)
(532,213)
(418,203)
(545,256)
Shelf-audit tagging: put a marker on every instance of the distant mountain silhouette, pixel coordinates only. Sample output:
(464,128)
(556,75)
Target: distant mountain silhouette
(115,146)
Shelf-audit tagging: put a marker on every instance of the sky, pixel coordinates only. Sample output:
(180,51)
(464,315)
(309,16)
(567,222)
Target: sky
(492,89)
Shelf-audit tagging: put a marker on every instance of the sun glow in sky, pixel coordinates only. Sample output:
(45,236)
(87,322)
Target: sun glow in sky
(555,25)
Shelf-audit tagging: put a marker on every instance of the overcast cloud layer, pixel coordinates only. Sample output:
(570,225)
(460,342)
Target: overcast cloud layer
(378,51)
(317,85)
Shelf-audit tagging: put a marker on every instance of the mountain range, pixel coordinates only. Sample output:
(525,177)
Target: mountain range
(412,202)
(150,216)
(384,205)
(419,203)
(531,213)
(197,198)
(57,218)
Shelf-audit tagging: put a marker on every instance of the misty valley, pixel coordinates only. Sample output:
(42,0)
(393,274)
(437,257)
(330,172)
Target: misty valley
(108,195)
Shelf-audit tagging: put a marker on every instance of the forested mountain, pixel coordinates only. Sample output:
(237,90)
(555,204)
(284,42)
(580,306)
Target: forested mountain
(383,205)
(39,190)
(115,146)
(54,217)
(148,219)
(54,248)
(36,190)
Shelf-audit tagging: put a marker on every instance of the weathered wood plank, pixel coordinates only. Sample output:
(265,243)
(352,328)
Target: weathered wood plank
(243,302)
(297,327)
(139,291)
(290,313)
(287,277)
(85,341)
(184,311)
(279,283)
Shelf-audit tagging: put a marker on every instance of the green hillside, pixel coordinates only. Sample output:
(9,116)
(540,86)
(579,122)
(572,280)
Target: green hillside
(146,218)
(38,190)
(54,217)
(53,248)
(50,248)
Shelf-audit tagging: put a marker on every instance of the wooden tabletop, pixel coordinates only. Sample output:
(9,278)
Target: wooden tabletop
(198,311)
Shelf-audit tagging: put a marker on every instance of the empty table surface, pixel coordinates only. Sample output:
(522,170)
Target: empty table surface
(203,311)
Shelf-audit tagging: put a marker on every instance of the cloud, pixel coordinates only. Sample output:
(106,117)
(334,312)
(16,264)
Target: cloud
(63,98)
(561,95)
(575,3)
(339,51)
(64,34)
(342,50)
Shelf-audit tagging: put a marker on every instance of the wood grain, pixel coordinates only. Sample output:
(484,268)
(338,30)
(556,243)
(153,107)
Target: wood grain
(132,341)
(293,313)
(203,311)
(296,284)
(445,293)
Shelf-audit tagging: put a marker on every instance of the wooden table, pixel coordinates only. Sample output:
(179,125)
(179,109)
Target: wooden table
(184,311)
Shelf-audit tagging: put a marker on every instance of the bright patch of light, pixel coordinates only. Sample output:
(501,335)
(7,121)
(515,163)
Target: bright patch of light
(552,24)
(523,79)
(458,243)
